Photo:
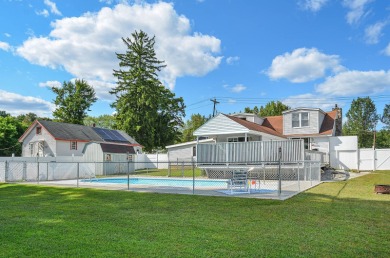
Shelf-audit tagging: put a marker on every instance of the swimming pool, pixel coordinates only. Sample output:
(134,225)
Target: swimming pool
(176,182)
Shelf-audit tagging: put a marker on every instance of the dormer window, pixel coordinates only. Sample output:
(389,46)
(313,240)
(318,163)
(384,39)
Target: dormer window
(38,130)
(300,119)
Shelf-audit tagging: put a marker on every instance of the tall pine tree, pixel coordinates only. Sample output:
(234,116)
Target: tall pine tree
(145,109)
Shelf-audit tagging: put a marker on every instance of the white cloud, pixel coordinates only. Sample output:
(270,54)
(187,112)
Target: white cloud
(5,46)
(235,89)
(374,32)
(238,88)
(311,101)
(102,89)
(7,35)
(16,104)
(53,7)
(357,10)
(85,46)
(303,65)
(349,83)
(50,84)
(386,51)
(312,5)
(109,2)
(44,13)
(232,60)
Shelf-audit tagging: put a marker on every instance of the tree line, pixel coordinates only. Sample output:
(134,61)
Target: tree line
(153,115)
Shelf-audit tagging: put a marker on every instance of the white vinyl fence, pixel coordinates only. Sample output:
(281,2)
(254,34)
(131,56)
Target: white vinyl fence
(361,159)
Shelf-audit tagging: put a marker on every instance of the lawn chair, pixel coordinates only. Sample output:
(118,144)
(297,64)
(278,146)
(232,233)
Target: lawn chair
(239,181)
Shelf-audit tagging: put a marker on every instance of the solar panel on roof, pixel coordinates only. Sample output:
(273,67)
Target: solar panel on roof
(110,135)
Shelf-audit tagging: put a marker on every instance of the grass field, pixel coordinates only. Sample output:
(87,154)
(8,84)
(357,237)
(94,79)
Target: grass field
(340,219)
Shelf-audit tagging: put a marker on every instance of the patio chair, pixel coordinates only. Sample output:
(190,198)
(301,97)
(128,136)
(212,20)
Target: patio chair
(239,181)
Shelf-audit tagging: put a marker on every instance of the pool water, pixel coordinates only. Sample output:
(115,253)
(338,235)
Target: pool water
(162,182)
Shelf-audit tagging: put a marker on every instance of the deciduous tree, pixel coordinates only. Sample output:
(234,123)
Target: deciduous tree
(196,121)
(361,121)
(103,121)
(272,108)
(10,131)
(385,117)
(73,101)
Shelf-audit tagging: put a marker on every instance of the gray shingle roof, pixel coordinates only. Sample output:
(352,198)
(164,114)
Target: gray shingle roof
(65,131)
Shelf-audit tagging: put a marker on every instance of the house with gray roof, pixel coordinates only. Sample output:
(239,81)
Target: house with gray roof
(47,138)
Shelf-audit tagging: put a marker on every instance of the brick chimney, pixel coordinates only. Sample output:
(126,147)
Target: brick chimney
(338,121)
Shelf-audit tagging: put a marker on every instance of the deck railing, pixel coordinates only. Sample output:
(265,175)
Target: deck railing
(250,152)
(322,157)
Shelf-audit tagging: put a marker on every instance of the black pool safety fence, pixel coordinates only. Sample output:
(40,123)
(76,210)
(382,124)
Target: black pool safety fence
(265,179)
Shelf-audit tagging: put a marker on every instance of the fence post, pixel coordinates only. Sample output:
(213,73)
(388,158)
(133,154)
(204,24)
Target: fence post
(279,172)
(128,175)
(38,173)
(299,181)
(5,171)
(78,173)
(193,177)
(24,170)
(182,169)
(311,176)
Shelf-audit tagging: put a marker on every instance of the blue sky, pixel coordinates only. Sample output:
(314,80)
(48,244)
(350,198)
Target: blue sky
(305,53)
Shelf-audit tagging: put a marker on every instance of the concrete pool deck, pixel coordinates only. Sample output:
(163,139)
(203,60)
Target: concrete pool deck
(267,191)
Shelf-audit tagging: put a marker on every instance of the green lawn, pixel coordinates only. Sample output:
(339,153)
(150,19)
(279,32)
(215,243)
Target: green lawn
(342,219)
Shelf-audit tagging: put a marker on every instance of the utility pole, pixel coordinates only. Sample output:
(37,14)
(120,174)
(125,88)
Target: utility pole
(215,103)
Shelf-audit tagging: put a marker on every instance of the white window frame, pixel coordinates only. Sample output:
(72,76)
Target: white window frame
(237,139)
(300,115)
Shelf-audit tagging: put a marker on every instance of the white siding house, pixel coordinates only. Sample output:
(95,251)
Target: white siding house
(47,138)
(185,151)
(312,126)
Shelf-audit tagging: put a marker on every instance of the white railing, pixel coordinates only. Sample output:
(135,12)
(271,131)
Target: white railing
(322,157)
(250,152)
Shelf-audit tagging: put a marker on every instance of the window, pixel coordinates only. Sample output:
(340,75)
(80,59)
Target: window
(38,130)
(31,148)
(232,139)
(300,119)
(305,119)
(73,145)
(237,139)
(129,158)
(108,157)
(194,151)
